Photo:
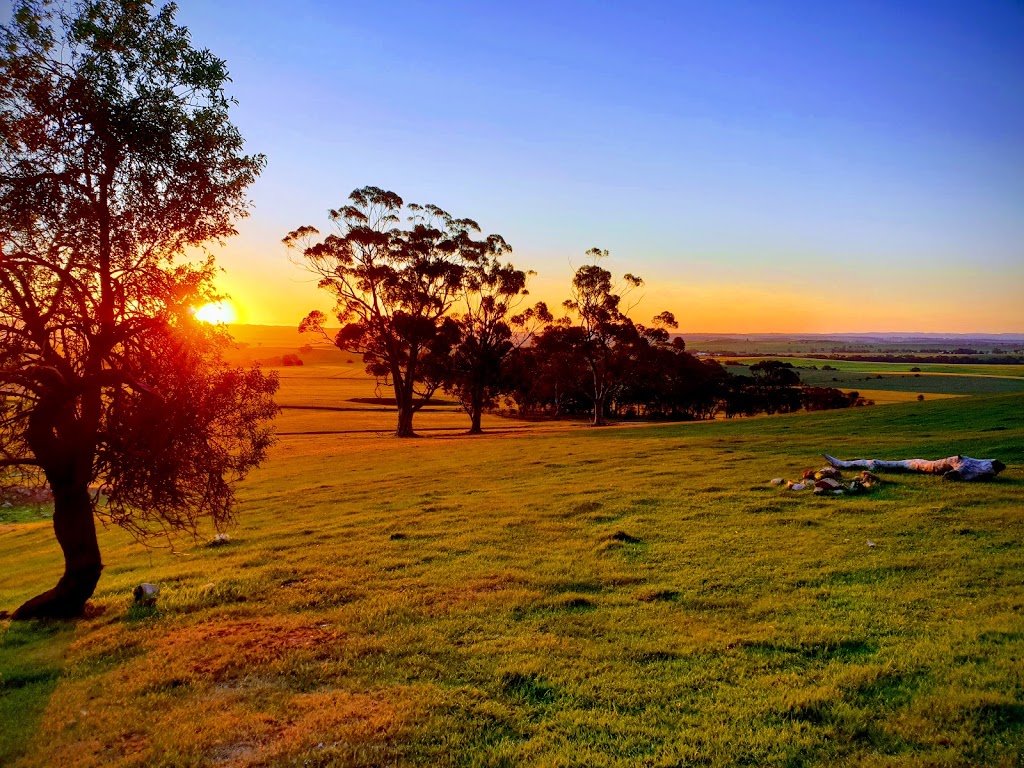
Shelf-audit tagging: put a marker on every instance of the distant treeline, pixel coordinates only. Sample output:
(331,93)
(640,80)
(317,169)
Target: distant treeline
(652,380)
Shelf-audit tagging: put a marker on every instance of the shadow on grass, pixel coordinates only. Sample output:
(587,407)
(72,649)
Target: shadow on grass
(31,662)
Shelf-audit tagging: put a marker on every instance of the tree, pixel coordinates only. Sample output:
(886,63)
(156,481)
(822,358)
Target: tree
(118,155)
(488,331)
(602,325)
(776,386)
(393,288)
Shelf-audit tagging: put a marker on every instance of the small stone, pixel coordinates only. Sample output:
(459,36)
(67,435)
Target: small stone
(220,540)
(145,594)
(777,481)
(6,505)
(871,544)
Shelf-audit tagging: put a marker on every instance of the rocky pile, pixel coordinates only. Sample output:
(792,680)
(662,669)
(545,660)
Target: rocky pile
(829,480)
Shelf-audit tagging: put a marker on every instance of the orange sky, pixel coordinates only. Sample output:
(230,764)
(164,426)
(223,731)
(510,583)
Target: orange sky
(267,288)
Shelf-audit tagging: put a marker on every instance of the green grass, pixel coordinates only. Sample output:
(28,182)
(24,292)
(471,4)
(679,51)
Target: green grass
(981,369)
(556,595)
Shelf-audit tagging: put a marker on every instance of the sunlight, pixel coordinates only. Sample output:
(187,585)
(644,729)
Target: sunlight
(217,313)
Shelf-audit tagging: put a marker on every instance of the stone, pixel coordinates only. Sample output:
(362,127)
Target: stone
(145,594)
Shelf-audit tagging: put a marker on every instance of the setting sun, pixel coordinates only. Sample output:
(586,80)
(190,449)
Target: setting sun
(217,312)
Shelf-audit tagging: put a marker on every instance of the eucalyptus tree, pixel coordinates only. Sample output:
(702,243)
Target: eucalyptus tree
(395,271)
(489,329)
(603,327)
(118,155)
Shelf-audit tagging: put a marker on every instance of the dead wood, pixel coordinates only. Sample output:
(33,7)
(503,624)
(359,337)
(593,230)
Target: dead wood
(953,468)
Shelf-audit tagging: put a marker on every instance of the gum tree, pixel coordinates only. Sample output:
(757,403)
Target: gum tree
(118,155)
(489,329)
(393,287)
(602,327)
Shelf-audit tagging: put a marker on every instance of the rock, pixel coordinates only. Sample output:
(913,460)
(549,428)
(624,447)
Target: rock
(827,484)
(6,505)
(219,540)
(776,481)
(827,473)
(796,486)
(871,544)
(145,594)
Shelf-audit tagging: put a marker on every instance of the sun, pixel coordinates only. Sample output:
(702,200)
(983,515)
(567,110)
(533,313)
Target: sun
(216,313)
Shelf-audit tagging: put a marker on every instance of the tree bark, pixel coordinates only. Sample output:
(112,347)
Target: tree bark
(953,468)
(599,420)
(75,529)
(476,409)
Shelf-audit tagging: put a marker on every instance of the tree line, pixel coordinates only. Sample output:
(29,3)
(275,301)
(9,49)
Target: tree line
(432,305)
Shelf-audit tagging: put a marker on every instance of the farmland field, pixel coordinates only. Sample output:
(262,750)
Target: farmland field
(549,594)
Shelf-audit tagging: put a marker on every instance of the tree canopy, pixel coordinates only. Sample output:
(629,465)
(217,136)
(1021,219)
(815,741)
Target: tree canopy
(394,287)
(119,154)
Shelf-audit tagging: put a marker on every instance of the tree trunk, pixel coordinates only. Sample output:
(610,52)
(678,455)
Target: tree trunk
(405,414)
(403,399)
(476,409)
(599,420)
(75,529)
(953,468)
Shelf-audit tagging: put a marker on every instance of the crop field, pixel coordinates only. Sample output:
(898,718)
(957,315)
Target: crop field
(548,594)
(853,366)
(887,383)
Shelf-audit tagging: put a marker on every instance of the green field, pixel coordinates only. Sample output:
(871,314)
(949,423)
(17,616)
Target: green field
(973,371)
(549,595)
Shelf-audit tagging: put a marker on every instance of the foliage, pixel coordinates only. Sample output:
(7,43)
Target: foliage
(489,331)
(393,287)
(118,155)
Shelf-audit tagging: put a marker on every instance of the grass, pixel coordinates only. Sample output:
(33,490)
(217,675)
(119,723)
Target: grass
(553,595)
(973,370)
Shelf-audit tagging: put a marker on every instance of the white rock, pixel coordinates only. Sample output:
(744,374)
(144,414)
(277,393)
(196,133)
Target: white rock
(777,481)
(145,594)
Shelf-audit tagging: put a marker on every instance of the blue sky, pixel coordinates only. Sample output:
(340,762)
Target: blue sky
(765,166)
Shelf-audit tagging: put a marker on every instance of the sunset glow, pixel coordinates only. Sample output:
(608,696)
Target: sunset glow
(217,313)
(763,169)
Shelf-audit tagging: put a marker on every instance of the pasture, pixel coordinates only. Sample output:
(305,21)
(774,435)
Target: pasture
(548,594)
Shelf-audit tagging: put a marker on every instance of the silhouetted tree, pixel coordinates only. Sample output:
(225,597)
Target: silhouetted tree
(603,325)
(117,154)
(488,331)
(393,288)
(828,398)
(775,384)
(550,376)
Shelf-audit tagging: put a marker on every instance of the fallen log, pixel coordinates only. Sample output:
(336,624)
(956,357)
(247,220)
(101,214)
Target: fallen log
(953,468)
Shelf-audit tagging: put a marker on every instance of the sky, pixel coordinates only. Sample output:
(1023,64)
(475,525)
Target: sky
(765,167)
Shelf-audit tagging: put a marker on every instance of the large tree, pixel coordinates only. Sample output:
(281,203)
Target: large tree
(489,330)
(393,287)
(118,155)
(603,327)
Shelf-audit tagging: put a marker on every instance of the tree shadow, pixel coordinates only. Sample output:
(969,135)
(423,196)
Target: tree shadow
(31,664)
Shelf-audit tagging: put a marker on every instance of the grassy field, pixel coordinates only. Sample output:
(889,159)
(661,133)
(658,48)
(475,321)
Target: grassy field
(887,383)
(549,595)
(851,366)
